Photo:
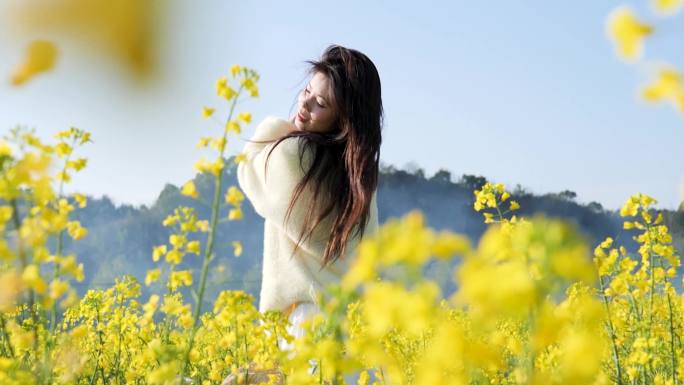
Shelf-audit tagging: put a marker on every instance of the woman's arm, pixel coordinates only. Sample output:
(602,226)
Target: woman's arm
(271,190)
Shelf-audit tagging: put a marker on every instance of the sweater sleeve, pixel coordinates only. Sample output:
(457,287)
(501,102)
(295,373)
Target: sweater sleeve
(270,191)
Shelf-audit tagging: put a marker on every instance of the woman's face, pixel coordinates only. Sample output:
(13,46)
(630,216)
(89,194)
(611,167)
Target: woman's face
(316,110)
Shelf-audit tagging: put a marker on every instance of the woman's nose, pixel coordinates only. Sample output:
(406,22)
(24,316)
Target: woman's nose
(305,103)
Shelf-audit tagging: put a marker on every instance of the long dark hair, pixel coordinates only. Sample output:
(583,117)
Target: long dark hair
(345,160)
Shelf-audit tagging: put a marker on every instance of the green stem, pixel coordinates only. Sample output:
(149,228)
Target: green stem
(616,355)
(60,242)
(6,336)
(209,250)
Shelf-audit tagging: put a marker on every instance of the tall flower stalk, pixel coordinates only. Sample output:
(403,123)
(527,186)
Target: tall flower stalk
(247,80)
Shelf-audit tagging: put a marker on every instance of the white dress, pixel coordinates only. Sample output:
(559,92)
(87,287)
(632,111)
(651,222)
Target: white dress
(304,311)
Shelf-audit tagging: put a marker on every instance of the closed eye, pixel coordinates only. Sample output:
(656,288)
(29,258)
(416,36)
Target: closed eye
(319,104)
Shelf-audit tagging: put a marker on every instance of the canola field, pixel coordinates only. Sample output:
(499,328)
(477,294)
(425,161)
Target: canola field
(535,302)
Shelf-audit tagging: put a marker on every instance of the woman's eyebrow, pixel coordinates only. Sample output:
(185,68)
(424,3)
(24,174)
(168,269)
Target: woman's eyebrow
(320,96)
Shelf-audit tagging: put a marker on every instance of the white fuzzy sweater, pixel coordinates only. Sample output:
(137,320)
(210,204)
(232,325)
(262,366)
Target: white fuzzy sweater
(288,280)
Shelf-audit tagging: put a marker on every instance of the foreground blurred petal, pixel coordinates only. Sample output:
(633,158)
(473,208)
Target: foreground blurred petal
(121,29)
(627,32)
(40,57)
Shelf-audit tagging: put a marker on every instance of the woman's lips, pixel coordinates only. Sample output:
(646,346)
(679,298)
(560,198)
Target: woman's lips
(301,118)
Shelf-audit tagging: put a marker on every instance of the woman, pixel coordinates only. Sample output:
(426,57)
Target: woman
(314,180)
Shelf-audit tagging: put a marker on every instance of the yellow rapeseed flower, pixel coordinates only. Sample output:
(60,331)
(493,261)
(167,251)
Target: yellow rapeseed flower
(32,279)
(202,165)
(240,158)
(233,125)
(245,117)
(235,69)
(216,166)
(235,214)
(227,92)
(627,32)
(668,84)
(193,247)
(234,196)
(448,244)
(5,149)
(157,252)
(174,257)
(58,288)
(667,7)
(203,225)
(164,374)
(63,149)
(11,284)
(152,276)
(237,248)
(207,112)
(41,57)
(203,142)
(80,200)
(190,190)
(76,231)
(219,144)
(177,241)
(77,164)
(221,83)
(180,278)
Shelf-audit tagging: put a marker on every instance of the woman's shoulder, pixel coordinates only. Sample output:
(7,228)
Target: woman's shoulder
(290,147)
(273,121)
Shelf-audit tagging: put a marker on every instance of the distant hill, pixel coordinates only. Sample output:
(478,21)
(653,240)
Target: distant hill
(121,238)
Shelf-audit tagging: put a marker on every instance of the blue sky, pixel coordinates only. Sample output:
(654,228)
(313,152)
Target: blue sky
(519,92)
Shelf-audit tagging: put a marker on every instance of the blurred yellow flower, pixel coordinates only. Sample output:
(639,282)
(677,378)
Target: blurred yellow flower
(58,288)
(448,244)
(10,287)
(174,257)
(245,117)
(157,252)
(193,247)
(237,248)
(216,166)
(76,231)
(176,240)
(667,7)
(122,29)
(189,189)
(235,69)
(63,149)
(227,92)
(164,374)
(5,149)
(235,214)
(180,278)
(32,279)
(80,199)
(152,276)
(40,57)
(667,86)
(233,125)
(242,156)
(203,142)
(234,196)
(207,112)
(627,32)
